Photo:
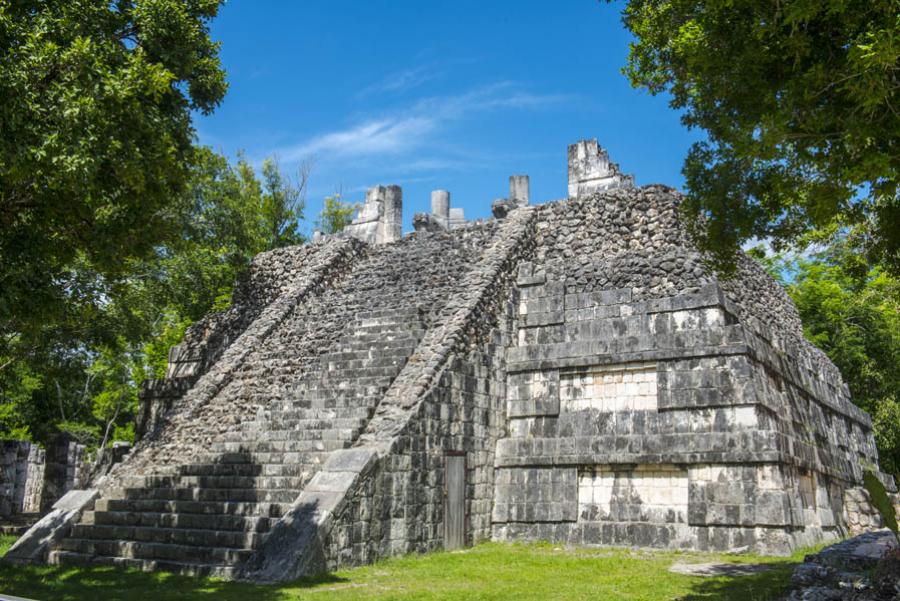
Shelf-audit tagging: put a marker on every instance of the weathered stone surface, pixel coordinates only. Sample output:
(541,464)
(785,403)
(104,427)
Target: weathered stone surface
(35,544)
(602,384)
(845,571)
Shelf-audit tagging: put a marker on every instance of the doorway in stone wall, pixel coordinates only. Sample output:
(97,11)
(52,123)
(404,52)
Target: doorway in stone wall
(454,500)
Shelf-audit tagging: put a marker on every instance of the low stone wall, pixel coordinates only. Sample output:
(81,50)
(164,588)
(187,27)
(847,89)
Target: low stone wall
(21,477)
(32,479)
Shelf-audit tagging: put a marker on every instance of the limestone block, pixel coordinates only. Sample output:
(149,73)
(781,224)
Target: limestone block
(36,542)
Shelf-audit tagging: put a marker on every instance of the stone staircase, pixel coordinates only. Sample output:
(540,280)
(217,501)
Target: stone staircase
(207,516)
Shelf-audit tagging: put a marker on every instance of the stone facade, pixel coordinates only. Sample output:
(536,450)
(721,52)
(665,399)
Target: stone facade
(602,385)
(32,478)
(22,481)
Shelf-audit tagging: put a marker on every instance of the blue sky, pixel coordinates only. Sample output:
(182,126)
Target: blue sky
(456,95)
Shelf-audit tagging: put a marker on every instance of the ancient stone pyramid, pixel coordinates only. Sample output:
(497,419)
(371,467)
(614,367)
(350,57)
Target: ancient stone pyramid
(568,371)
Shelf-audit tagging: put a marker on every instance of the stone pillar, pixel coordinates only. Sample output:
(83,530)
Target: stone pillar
(8,458)
(440,207)
(392,218)
(34,480)
(21,483)
(591,171)
(457,218)
(518,190)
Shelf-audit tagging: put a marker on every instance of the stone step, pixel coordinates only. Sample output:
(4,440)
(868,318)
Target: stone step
(294,420)
(370,345)
(218,495)
(184,568)
(174,536)
(236,523)
(262,458)
(397,314)
(279,441)
(384,317)
(376,359)
(358,405)
(151,550)
(18,524)
(210,468)
(337,417)
(383,333)
(335,371)
(241,457)
(214,481)
(349,390)
(354,347)
(284,434)
(243,509)
(356,380)
(336,397)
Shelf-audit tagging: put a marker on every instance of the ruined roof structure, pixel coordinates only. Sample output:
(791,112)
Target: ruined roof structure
(570,371)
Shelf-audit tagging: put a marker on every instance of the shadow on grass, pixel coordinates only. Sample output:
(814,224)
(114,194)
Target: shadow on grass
(100,583)
(770,585)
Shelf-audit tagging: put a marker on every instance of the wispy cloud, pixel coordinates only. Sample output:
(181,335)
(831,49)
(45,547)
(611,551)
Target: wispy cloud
(374,136)
(401,81)
(411,128)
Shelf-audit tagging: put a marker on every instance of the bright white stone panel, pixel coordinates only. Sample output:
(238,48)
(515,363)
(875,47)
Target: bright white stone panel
(651,493)
(631,387)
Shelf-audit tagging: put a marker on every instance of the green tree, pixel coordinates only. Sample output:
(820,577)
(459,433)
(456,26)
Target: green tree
(283,202)
(335,215)
(800,103)
(851,311)
(116,231)
(95,142)
(87,385)
(223,228)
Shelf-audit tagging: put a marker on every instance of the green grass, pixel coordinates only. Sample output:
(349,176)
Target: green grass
(520,572)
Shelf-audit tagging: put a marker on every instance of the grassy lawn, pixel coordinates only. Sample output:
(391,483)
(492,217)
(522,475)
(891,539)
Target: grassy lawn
(489,571)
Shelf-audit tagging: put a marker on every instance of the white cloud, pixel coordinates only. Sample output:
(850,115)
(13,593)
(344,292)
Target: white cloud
(400,81)
(376,136)
(405,130)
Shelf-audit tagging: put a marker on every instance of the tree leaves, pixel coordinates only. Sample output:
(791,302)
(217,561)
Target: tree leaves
(852,312)
(801,103)
(96,140)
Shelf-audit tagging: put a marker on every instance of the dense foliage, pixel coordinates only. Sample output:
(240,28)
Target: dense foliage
(800,103)
(88,388)
(336,214)
(96,141)
(851,311)
(116,230)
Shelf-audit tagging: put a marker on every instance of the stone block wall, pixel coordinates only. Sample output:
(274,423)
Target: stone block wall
(63,470)
(399,507)
(21,477)
(609,388)
(692,400)
(32,479)
(691,409)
